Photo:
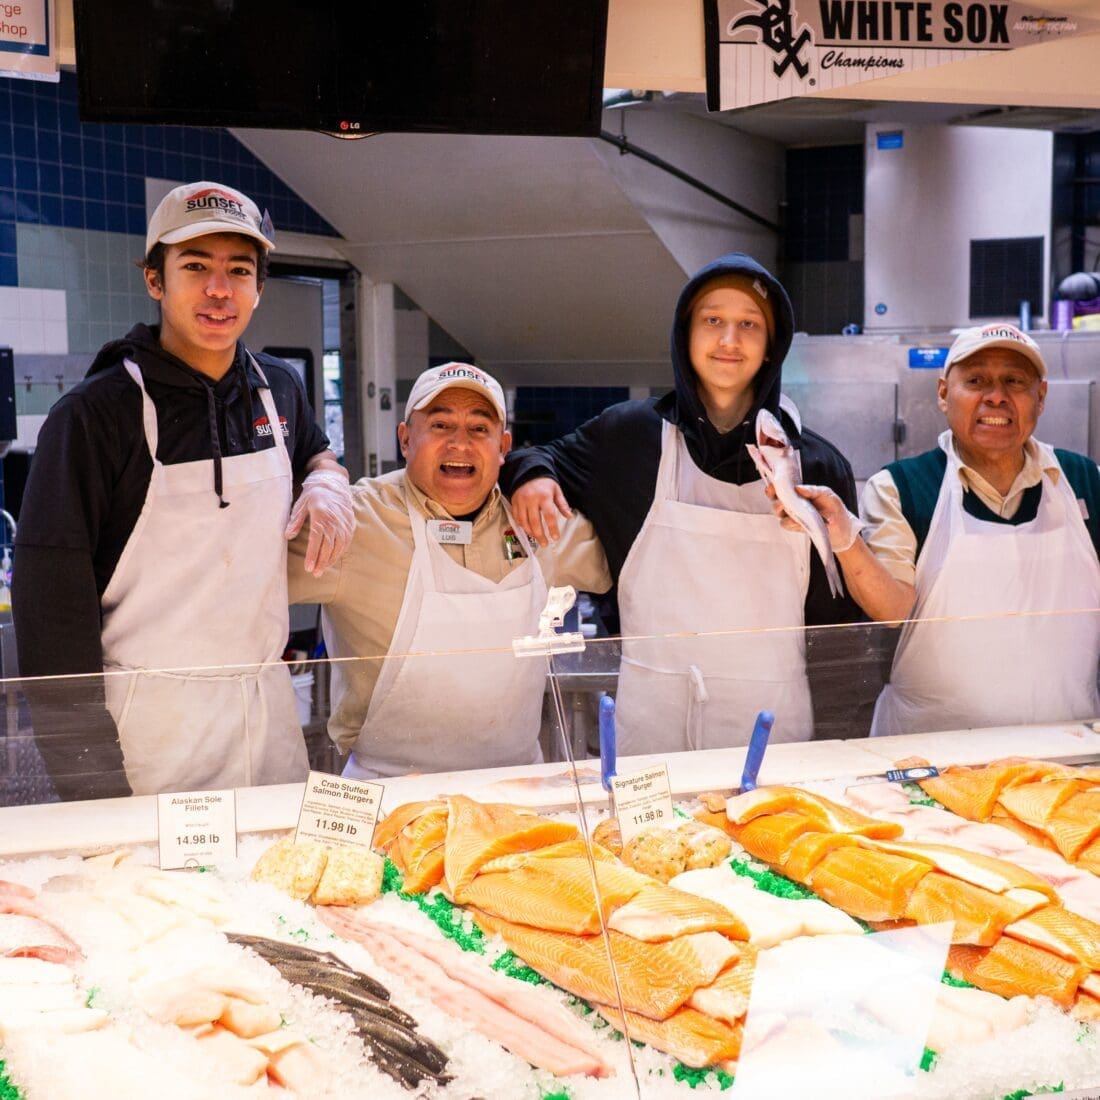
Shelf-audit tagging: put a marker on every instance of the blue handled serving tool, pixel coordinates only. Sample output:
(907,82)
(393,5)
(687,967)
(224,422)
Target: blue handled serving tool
(607,741)
(758,742)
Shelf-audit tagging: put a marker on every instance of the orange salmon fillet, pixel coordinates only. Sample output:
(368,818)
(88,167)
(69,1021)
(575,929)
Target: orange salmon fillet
(1085,1008)
(1035,837)
(478,832)
(386,831)
(867,884)
(973,792)
(977,868)
(808,851)
(1089,858)
(1068,934)
(770,837)
(980,916)
(655,978)
(1034,803)
(555,894)
(1075,824)
(1011,967)
(832,816)
(691,1037)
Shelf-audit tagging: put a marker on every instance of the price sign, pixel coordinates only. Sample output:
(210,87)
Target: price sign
(643,800)
(339,812)
(196,828)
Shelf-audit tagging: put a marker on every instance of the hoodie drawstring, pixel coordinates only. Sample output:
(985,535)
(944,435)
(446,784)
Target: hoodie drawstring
(215,444)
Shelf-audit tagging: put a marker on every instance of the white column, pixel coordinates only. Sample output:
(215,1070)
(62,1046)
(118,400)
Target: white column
(378,376)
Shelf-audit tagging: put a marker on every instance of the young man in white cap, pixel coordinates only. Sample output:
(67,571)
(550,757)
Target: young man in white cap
(437,565)
(992,531)
(154,528)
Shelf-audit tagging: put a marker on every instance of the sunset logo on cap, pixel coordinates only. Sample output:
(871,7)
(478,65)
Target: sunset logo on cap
(214,198)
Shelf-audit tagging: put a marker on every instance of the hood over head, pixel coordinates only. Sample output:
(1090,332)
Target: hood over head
(684,407)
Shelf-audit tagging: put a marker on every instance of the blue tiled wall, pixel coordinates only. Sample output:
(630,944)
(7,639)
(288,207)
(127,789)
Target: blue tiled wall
(543,413)
(56,170)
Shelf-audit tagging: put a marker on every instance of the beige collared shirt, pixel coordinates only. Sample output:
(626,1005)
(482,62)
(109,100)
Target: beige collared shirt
(363,594)
(887,532)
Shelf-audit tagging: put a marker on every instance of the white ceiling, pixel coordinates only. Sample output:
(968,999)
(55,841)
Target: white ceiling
(525,250)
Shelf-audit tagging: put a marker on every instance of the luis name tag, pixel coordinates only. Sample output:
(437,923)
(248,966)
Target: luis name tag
(457,531)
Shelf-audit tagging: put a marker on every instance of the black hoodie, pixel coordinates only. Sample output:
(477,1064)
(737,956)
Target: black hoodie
(607,468)
(87,484)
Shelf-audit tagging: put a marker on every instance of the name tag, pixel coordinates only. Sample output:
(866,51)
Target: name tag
(460,532)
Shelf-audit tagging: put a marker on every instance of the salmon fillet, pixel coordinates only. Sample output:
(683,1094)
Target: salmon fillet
(871,885)
(980,916)
(832,816)
(770,837)
(808,851)
(1088,859)
(1075,824)
(655,978)
(385,832)
(693,1038)
(1033,803)
(555,894)
(973,792)
(1011,967)
(988,872)
(478,832)
(1065,933)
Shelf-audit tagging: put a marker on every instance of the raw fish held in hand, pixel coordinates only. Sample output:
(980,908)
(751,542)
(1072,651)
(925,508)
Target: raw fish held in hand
(778,465)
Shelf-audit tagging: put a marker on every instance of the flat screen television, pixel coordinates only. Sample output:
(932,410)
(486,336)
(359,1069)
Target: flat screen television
(345,66)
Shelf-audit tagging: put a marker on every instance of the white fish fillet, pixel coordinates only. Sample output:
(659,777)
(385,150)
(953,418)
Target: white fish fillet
(774,458)
(770,920)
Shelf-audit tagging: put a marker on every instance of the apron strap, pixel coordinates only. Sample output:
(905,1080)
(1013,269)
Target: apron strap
(148,410)
(668,470)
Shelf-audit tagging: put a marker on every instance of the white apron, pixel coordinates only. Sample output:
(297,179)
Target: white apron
(711,556)
(198,586)
(1002,670)
(456,710)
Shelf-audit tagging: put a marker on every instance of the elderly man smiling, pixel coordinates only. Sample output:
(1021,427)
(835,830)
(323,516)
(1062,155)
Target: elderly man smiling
(436,566)
(997,534)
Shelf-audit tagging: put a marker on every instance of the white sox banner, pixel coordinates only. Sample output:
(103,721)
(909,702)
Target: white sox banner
(759,51)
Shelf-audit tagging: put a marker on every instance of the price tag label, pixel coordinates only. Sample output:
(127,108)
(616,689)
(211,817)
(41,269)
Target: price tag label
(337,811)
(196,828)
(642,800)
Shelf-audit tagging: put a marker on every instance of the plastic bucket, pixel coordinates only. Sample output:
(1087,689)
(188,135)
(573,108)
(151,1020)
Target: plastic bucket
(303,693)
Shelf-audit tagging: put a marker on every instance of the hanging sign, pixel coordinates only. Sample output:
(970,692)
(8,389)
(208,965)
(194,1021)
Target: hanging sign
(759,51)
(28,39)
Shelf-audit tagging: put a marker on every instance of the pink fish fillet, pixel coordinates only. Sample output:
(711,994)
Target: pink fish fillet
(22,935)
(529,1026)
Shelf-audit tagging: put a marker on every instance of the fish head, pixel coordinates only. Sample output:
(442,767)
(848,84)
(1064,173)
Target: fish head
(769,432)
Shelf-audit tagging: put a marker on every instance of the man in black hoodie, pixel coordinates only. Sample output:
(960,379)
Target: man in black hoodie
(153,531)
(689,533)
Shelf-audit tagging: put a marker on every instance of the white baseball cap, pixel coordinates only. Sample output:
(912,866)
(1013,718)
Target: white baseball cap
(195,209)
(464,376)
(999,335)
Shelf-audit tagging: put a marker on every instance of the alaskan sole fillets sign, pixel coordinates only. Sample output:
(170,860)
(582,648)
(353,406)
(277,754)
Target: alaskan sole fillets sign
(759,51)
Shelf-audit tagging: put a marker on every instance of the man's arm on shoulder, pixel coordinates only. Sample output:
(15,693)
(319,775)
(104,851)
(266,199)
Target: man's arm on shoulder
(577,558)
(56,606)
(567,463)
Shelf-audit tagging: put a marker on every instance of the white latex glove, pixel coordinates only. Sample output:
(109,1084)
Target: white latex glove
(325,500)
(843,527)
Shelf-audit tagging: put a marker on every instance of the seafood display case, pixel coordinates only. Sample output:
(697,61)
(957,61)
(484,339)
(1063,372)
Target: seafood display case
(907,915)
